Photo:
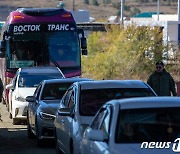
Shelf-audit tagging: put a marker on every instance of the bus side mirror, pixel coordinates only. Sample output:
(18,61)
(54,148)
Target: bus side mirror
(2,48)
(84,46)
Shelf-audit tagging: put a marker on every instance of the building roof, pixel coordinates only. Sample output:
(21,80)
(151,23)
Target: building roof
(145,15)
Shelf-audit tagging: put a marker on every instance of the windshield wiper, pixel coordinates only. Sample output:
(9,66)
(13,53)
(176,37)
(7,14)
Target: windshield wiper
(54,62)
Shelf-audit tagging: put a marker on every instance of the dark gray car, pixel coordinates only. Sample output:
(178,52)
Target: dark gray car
(42,107)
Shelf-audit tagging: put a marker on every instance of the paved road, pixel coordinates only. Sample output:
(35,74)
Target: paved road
(13,138)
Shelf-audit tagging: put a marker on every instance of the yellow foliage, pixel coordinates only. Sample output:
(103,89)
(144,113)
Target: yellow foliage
(123,53)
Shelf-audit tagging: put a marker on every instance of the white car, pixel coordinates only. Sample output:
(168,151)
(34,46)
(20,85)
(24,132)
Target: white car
(149,125)
(81,102)
(24,84)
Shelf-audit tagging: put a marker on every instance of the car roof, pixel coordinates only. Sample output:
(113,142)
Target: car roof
(147,102)
(66,80)
(39,70)
(112,84)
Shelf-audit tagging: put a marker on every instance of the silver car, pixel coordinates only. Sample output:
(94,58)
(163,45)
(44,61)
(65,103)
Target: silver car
(149,125)
(42,107)
(81,102)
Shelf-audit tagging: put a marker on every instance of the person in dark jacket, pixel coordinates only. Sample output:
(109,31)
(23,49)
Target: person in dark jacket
(162,82)
(1,89)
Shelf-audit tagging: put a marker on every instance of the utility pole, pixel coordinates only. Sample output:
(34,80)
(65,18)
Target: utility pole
(178,13)
(73,5)
(158,10)
(122,11)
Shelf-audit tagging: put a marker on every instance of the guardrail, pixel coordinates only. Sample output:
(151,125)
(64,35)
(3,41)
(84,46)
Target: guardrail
(97,26)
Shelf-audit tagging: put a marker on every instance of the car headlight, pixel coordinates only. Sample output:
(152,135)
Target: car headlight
(20,98)
(46,116)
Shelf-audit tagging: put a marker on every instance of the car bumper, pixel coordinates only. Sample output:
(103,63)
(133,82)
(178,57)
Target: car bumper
(19,110)
(46,129)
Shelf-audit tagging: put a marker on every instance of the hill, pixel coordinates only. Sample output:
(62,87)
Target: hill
(101,11)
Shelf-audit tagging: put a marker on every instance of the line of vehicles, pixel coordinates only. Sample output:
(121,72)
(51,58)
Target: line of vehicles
(33,37)
(99,116)
(82,115)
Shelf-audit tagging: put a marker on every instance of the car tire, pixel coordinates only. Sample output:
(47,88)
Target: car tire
(10,115)
(58,151)
(38,140)
(71,147)
(3,101)
(29,131)
(7,107)
(16,121)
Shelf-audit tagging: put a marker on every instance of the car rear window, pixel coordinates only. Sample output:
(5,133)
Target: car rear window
(34,80)
(92,99)
(148,125)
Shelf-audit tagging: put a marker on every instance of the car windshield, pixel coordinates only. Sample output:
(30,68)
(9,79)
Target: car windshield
(150,125)
(92,99)
(54,91)
(34,80)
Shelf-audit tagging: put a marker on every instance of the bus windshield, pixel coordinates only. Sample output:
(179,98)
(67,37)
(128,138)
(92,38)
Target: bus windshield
(65,52)
(50,48)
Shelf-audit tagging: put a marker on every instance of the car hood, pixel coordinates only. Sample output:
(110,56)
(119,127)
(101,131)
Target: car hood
(50,106)
(24,92)
(136,149)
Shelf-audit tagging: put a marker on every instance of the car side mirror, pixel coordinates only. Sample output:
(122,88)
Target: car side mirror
(31,99)
(94,135)
(9,86)
(65,112)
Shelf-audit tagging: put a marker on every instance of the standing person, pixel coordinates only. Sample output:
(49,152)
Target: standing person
(1,90)
(161,81)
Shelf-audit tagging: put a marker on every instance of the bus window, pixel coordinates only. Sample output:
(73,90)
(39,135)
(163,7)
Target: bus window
(24,54)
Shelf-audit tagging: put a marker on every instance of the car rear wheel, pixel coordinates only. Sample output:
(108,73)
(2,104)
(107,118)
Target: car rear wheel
(10,115)
(16,121)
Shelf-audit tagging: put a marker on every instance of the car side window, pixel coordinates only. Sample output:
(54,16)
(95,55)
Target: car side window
(71,100)
(67,98)
(105,125)
(98,119)
(37,91)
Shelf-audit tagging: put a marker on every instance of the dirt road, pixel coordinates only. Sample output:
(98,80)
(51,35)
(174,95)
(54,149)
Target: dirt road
(13,138)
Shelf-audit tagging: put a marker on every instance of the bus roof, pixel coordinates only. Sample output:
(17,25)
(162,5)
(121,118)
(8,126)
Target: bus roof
(39,15)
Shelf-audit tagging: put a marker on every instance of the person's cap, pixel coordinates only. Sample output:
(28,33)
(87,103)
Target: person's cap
(160,63)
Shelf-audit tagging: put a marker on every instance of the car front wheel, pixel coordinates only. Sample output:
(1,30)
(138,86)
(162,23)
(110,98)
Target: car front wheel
(29,131)
(38,140)
(58,151)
